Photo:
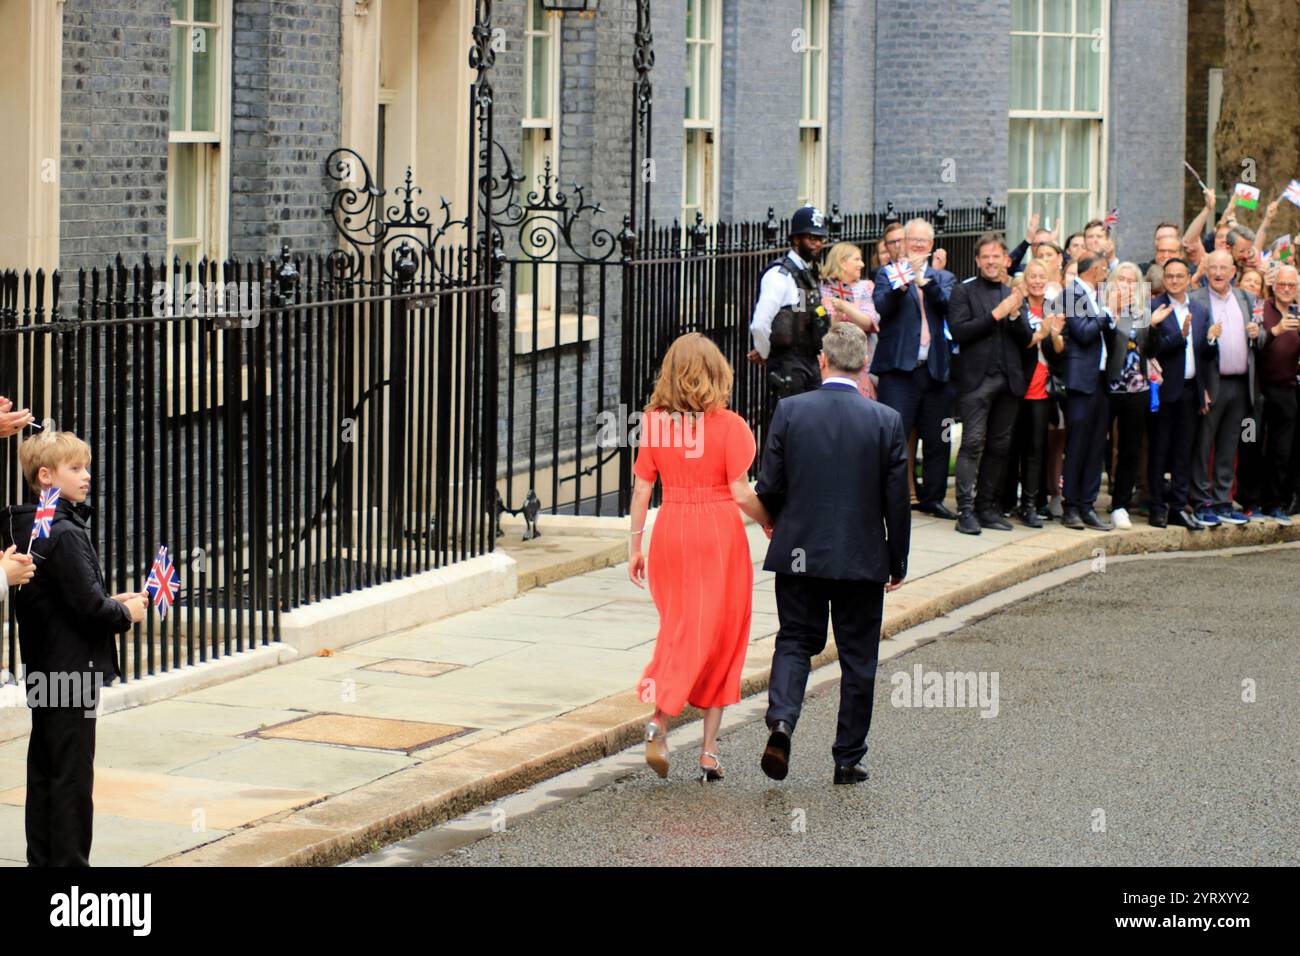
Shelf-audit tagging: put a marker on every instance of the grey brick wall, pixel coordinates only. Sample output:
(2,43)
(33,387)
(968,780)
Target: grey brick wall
(113,163)
(759,128)
(1147,124)
(851,104)
(285,119)
(942,86)
(668,21)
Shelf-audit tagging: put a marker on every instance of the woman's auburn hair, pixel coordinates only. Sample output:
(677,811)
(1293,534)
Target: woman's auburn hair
(695,377)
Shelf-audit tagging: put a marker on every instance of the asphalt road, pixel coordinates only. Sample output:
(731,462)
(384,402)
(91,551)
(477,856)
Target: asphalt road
(1121,738)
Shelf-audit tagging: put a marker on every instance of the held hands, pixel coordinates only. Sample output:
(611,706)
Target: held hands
(1010,305)
(1187,324)
(17,568)
(1162,313)
(1210,199)
(11,422)
(136,604)
(1215,331)
(1252,330)
(940,259)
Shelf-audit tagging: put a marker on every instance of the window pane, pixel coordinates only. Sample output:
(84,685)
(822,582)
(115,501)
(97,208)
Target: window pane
(814,85)
(1087,77)
(1018,168)
(1024,15)
(184,197)
(1078,154)
(203,42)
(691,49)
(1047,154)
(539,20)
(1087,16)
(180,45)
(690,17)
(692,192)
(807,163)
(1048,207)
(1056,16)
(1024,64)
(1017,212)
(706,82)
(178,10)
(203,10)
(1076,212)
(1056,73)
(815,22)
(540,80)
(706,19)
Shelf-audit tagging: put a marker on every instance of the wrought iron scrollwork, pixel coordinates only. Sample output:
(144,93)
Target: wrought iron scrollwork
(547,216)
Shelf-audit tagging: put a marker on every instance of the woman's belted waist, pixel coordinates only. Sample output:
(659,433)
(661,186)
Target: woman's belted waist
(698,495)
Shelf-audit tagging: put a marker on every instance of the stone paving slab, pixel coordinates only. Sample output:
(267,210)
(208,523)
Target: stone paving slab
(543,682)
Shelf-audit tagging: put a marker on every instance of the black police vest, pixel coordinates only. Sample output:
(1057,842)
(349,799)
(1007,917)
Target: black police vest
(797,329)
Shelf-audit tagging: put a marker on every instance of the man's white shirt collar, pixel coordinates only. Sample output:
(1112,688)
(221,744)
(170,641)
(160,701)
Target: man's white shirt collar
(840,381)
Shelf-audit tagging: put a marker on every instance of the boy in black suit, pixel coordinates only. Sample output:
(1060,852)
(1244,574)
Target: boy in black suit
(66,628)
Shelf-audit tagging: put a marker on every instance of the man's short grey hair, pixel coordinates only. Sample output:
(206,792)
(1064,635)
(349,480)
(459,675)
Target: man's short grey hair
(845,347)
(1240,232)
(921,224)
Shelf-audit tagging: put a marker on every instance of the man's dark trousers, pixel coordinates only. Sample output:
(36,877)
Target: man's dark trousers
(60,783)
(1086,418)
(1215,464)
(926,404)
(988,419)
(1173,434)
(855,608)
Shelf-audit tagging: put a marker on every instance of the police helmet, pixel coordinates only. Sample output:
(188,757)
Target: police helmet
(808,221)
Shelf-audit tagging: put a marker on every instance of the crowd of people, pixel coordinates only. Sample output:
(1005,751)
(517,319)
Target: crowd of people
(1177,377)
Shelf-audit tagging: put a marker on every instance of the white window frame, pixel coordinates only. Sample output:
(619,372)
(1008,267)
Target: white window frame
(704,125)
(214,161)
(540,141)
(814,172)
(1098,127)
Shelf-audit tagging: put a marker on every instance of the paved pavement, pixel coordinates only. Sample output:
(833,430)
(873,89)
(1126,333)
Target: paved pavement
(1121,738)
(195,768)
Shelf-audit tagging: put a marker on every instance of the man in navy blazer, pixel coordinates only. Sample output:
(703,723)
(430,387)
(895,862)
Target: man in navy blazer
(1089,336)
(913,367)
(834,478)
(1178,340)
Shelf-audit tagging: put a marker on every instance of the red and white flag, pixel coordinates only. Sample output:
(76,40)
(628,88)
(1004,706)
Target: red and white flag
(899,274)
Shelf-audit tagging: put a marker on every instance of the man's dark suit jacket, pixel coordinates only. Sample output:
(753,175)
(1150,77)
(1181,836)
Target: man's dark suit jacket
(1085,330)
(834,478)
(981,337)
(900,324)
(1165,343)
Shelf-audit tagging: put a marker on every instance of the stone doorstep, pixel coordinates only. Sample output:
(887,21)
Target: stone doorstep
(404,803)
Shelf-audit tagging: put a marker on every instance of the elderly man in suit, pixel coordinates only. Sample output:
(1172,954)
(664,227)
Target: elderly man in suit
(1089,338)
(912,360)
(1178,338)
(1230,389)
(834,479)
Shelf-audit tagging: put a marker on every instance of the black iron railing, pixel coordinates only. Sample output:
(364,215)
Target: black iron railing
(292,430)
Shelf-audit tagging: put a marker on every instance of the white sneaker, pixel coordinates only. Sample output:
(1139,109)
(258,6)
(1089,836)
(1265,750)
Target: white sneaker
(1119,517)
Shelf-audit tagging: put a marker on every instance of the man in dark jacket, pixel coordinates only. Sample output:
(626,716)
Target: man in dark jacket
(984,316)
(834,478)
(66,628)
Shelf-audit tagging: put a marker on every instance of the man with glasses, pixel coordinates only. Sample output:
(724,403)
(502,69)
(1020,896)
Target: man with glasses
(912,358)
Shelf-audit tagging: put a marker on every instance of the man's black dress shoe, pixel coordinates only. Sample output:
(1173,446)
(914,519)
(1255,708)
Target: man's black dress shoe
(991,519)
(854,774)
(1029,515)
(776,757)
(1070,518)
(1158,516)
(939,510)
(1092,520)
(967,523)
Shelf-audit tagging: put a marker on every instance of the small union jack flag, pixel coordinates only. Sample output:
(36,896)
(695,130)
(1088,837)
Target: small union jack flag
(899,274)
(163,583)
(1112,219)
(1292,192)
(44,515)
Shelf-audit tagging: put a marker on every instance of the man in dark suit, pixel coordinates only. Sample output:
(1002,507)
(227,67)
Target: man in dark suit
(912,359)
(834,478)
(1089,336)
(1178,340)
(1231,388)
(984,315)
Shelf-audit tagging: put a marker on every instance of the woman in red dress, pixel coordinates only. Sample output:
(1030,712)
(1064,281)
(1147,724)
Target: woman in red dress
(700,571)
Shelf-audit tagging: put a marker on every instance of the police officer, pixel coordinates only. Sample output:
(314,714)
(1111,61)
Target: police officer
(789,319)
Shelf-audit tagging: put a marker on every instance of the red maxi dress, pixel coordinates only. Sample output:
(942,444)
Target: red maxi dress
(699,569)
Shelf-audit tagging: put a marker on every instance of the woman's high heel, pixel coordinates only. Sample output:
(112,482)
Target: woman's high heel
(656,749)
(714,773)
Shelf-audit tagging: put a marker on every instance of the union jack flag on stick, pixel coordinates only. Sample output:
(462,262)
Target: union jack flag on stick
(163,583)
(44,516)
(1112,219)
(899,273)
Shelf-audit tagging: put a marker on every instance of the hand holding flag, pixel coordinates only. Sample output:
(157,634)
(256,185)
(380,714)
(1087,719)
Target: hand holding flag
(899,273)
